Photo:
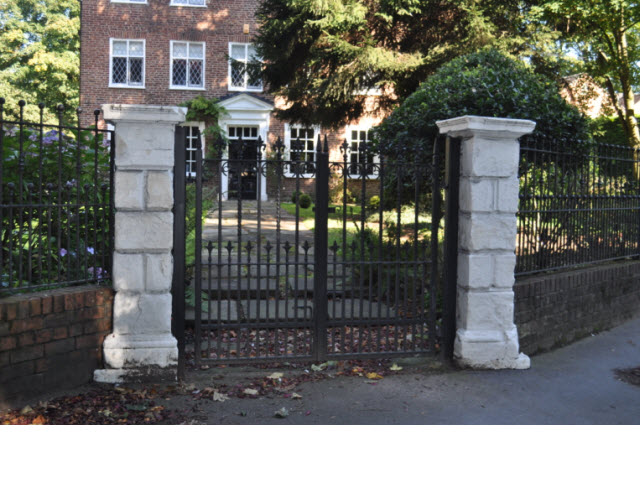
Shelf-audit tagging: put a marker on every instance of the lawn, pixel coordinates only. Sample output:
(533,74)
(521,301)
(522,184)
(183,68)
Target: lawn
(354,221)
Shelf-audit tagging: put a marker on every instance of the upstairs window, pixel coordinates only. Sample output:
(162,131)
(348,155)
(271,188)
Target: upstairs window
(187,65)
(189,3)
(245,68)
(301,146)
(127,63)
(361,157)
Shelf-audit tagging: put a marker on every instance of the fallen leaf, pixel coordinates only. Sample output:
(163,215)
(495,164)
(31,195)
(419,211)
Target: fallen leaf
(295,396)
(282,413)
(204,367)
(250,391)
(26,410)
(374,376)
(318,368)
(395,368)
(39,420)
(220,397)
(276,375)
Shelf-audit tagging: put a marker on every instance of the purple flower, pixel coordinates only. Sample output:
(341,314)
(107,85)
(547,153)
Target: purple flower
(91,250)
(50,137)
(99,272)
(63,252)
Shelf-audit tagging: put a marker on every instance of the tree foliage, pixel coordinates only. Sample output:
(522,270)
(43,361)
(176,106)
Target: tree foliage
(39,53)
(321,55)
(606,36)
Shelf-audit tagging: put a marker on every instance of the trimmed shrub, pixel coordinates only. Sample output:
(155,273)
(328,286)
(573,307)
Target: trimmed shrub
(294,196)
(304,201)
(486,83)
(374,203)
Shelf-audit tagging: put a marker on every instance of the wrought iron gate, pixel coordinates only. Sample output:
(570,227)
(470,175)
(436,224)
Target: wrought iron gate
(367,271)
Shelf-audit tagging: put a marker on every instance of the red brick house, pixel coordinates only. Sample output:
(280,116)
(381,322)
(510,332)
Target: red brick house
(165,52)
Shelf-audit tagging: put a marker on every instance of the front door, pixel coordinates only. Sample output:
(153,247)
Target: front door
(244,154)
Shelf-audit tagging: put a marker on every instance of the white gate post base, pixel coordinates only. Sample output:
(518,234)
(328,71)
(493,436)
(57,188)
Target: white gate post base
(486,335)
(141,347)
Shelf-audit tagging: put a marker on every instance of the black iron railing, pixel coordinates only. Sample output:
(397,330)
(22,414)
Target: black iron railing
(55,202)
(579,204)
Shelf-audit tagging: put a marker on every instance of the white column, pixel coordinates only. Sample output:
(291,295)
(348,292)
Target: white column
(141,346)
(486,335)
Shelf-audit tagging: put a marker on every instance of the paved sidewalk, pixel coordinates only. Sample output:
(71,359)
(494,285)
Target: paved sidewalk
(572,385)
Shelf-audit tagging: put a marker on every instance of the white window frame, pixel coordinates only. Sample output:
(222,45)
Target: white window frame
(132,2)
(200,126)
(246,87)
(175,3)
(204,66)
(376,158)
(287,147)
(144,62)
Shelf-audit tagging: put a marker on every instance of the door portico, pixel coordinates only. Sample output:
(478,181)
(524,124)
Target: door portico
(245,110)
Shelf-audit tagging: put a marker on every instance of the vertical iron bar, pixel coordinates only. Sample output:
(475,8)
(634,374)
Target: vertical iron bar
(198,259)
(179,243)
(321,249)
(21,167)
(2,239)
(453,150)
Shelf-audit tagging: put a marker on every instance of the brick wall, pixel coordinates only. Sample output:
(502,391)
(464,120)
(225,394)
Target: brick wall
(52,339)
(557,309)
(158,22)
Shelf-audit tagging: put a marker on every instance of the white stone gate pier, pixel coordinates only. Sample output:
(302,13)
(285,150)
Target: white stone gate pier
(141,345)
(486,335)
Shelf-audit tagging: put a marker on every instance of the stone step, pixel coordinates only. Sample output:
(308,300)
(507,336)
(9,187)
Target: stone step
(255,310)
(358,309)
(228,311)
(233,271)
(265,310)
(242,288)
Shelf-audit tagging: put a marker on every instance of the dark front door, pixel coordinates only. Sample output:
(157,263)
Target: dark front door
(244,154)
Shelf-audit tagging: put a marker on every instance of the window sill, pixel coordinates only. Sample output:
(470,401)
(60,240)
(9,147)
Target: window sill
(294,176)
(117,85)
(187,6)
(242,89)
(128,2)
(197,89)
(360,177)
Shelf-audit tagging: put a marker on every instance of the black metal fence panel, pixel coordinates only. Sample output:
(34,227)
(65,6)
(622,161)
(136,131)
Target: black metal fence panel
(55,202)
(579,204)
(312,276)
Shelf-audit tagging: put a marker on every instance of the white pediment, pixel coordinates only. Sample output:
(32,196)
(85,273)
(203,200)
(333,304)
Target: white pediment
(246,103)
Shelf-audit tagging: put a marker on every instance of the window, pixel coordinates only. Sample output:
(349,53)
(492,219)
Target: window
(301,146)
(361,158)
(244,67)
(192,135)
(189,3)
(187,65)
(127,63)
